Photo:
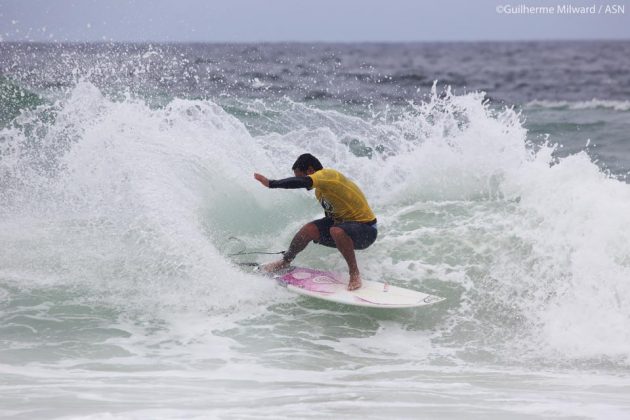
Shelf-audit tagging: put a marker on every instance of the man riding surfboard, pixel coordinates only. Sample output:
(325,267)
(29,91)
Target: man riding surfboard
(349,222)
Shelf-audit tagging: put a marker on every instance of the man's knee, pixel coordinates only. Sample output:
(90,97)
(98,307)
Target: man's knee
(337,232)
(310,232)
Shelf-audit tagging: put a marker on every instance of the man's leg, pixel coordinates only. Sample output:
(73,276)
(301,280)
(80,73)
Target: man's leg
(345,245)
(309,232)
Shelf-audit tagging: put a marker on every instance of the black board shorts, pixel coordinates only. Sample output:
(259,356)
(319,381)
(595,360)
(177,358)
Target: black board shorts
(362,234)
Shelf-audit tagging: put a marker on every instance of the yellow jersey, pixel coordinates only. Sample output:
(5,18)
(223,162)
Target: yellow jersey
(341,198)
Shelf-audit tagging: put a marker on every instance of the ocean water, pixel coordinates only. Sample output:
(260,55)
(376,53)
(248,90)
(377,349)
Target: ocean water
(498,173)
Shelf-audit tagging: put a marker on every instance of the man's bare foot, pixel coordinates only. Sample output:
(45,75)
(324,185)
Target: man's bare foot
(355,281)
(275,266)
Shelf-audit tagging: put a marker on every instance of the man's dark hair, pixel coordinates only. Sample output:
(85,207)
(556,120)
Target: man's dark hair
(305,161)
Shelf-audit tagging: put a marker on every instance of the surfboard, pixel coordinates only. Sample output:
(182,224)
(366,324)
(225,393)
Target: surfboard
(332,287)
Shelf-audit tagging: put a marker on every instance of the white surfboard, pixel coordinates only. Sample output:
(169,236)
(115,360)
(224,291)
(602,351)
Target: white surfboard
(333,286)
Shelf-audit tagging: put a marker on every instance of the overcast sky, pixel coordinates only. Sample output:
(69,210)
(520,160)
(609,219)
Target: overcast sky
(302,20)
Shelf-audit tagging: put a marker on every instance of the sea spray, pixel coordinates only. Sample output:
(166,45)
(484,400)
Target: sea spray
(122,209)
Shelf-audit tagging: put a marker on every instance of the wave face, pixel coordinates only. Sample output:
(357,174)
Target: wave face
(118,215)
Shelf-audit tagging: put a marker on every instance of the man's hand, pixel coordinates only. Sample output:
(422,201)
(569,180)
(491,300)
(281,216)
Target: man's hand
(262,179)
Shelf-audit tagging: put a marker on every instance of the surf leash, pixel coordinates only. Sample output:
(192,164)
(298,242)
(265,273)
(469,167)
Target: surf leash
(242,252)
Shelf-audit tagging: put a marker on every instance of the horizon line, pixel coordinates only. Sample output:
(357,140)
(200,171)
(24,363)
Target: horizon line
(223,42)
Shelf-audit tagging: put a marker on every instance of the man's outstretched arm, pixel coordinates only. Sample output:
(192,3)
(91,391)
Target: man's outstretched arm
(293,182)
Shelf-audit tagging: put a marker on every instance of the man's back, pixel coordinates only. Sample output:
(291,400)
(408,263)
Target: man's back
(342,199)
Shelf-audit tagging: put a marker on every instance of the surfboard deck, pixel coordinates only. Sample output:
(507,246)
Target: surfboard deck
(332,286)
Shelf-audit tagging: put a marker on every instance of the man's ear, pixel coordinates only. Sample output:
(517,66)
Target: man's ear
(310,170)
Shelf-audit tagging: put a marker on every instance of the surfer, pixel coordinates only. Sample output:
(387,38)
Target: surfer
(349,222)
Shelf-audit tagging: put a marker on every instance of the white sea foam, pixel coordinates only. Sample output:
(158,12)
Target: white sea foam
(126,208)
